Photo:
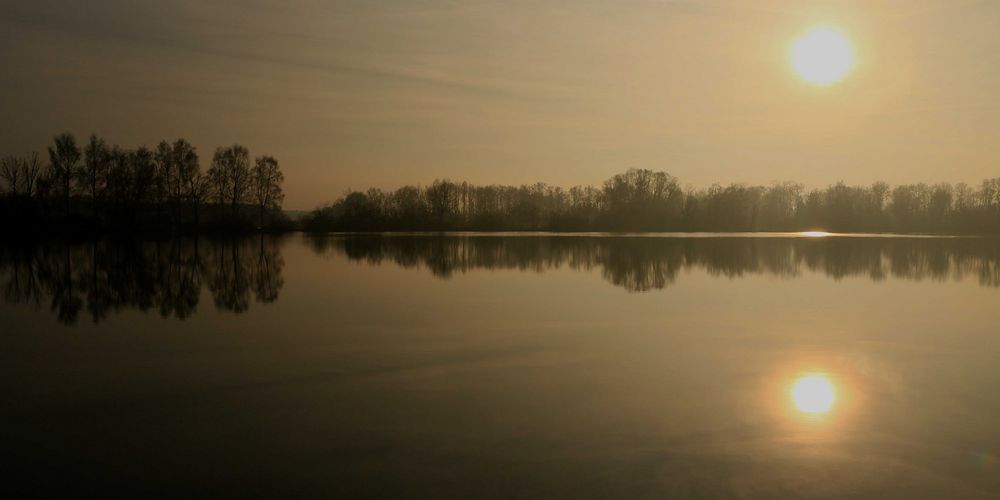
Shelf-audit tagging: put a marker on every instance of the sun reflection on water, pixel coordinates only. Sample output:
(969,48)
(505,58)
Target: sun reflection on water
(817,398)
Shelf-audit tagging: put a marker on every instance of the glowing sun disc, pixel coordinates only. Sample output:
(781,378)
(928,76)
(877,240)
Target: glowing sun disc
(822,56)
(813,394)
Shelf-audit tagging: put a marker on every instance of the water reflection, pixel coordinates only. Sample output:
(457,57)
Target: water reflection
(104,277)
(383,382)
(642,264)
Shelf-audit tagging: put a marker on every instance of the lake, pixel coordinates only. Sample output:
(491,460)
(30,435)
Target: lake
(481,366)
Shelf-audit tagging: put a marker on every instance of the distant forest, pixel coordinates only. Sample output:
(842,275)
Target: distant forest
(102,187)
(643,200)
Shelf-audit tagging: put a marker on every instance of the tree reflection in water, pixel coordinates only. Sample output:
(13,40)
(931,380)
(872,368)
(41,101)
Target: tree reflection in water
(104,277)
(641,264)
(107,276)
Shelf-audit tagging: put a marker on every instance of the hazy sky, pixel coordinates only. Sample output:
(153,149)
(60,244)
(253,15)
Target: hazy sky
(383,92)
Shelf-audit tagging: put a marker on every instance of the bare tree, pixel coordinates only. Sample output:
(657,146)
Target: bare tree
(10,171)
(30,172)
(165,176)
(185,163)
(119,176)
(198,188)
(266,180)
(230,174)
(177,164)
(142,167)
(64,156)
(218,181)
(95,169)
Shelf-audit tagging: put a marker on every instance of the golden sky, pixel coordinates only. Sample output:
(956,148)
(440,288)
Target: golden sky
(358,93)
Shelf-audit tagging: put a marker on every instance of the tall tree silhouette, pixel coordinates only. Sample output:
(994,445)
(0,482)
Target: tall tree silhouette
(11,171)
(144,183)
(31,169)
(265,180)
(186,168)
(197,190)
(64,156)
(230,174)
(95,169)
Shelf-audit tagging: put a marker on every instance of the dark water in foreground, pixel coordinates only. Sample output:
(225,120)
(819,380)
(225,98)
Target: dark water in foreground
(427,366)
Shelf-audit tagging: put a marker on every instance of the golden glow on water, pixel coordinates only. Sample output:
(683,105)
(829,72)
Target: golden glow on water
(817,396)
(815,234)
(813,393)
(822,56)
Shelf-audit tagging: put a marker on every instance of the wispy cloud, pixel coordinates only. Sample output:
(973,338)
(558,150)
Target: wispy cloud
(179,28)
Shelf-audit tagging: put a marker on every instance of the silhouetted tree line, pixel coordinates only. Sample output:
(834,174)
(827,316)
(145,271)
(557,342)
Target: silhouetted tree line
(99,278)
(643,200)
(98,186)
(648,263)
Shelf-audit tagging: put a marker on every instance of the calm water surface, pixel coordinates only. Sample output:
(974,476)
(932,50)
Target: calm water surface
(503,366)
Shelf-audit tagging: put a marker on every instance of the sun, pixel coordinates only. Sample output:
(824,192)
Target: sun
(822,56)
(813,394)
